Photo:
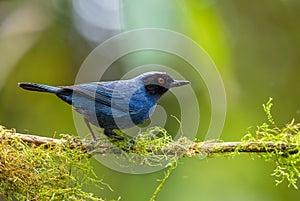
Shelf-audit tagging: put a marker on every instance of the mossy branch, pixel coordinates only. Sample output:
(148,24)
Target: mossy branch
(182,148)
(58,168)
(151,147)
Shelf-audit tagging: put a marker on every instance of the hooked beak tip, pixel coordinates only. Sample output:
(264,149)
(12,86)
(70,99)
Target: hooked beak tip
(178,83)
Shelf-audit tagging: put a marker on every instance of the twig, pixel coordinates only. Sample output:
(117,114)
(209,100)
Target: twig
(163,181)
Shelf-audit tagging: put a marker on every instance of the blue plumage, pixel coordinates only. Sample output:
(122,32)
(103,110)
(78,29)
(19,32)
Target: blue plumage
(115,104)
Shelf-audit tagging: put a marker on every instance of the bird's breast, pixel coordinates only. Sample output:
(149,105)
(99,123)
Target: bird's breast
(142,106)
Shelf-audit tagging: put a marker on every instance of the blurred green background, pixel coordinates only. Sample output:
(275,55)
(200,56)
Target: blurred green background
(255,45)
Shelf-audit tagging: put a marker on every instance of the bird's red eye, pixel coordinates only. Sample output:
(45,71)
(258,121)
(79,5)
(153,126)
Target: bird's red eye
(161,80)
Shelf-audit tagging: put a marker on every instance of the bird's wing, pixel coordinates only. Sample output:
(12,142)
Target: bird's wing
(103,93)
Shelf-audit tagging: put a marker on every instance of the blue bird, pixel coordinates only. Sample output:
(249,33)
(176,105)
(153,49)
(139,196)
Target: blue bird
(116,104)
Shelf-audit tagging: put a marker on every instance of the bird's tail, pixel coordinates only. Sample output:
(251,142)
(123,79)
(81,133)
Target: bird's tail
(39,87)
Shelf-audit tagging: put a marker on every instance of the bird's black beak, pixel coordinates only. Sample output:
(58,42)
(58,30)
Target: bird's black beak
(177,83)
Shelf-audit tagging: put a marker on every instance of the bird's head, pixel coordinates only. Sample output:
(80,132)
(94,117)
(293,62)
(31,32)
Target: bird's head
(160,82)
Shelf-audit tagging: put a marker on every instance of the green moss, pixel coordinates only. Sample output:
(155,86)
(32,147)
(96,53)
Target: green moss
(45,172)
(148,148)
(287,160)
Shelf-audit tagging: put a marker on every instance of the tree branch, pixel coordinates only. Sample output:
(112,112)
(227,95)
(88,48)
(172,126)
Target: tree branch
(188,148)
(155,146)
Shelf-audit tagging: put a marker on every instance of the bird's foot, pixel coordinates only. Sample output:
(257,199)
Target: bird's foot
(124,143)
(120,139)
(131,141)
(129,144)
(91,145)
(117,137)
(112,135)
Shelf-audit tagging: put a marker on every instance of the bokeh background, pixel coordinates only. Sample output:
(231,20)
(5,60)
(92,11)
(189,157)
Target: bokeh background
(255,45)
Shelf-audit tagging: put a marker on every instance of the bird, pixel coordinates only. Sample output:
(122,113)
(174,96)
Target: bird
(111,105)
